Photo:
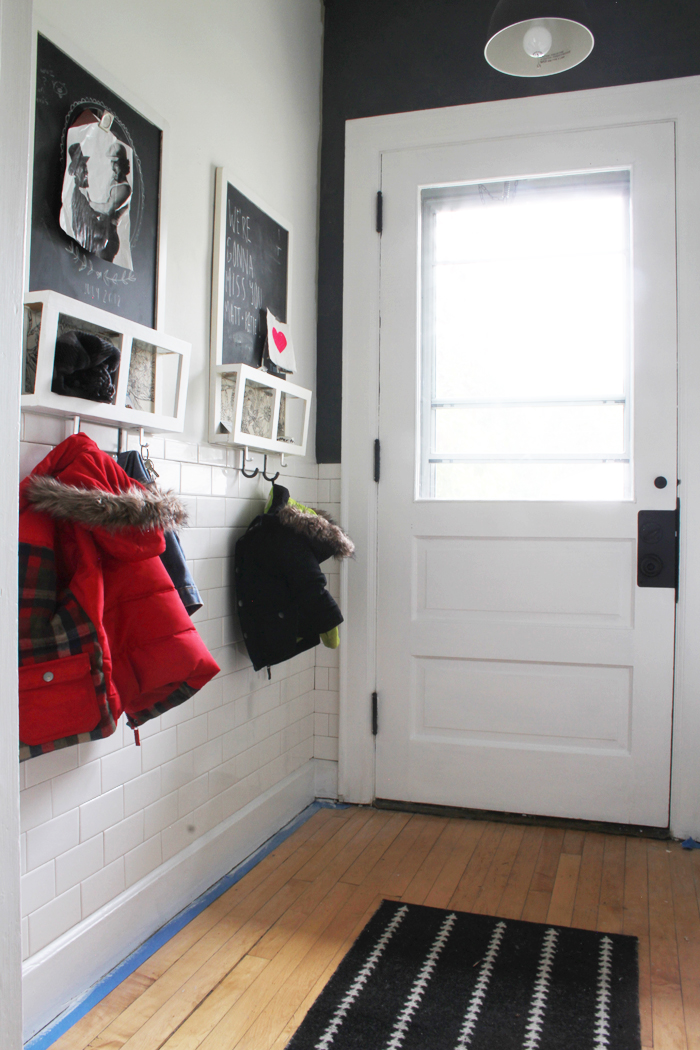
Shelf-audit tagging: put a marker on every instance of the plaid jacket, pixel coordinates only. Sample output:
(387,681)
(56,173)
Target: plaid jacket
(102,630)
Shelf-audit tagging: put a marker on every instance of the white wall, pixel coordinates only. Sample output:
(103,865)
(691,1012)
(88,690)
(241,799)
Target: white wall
(15,24)
(102,820)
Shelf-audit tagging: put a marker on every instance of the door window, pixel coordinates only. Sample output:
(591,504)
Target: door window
(526,363)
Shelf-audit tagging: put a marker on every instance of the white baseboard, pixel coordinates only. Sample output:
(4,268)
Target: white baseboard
(326,779)
(66,968)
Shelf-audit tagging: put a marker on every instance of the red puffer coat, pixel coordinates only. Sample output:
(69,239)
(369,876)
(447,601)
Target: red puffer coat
(102,629)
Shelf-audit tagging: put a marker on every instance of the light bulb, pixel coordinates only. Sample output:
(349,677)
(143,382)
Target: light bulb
(537,41)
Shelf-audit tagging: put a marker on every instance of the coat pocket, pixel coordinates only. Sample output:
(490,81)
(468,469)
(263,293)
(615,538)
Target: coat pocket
(57,699)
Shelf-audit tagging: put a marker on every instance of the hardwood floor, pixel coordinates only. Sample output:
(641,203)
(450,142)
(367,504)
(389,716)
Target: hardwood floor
(244,972)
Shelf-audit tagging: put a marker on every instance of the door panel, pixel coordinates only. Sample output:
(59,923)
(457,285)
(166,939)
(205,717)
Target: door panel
(519,666)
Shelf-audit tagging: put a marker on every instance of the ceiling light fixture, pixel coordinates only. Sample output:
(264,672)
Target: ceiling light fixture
(536,38)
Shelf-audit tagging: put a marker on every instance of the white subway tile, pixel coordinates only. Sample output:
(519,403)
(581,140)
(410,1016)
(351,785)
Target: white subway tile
(240,513)
(195,543)
(195,479)
(221,542)
(120,767)
(48,840)
(221,720)
(224,481)
(75,787)
(211,511)
(101,813)
(209,697)
(142,792)
(254,488)
(102,887)
(185,452)
(191,734)
(238,740)
(35,806)
(44,429)
(324,491)
(193,795)
(218,602)
(177,836)
(207,756)
(321,725)
(334,679)
(168,473)
(30,456)
(49,922)
(160,814)
(123,837)
(329,470)
(213,454)
(208,815)
(176,773)
(38,887)
(79,863)
(326,702)
(95,749)
(142,860)
(326,747)
(158,749)
(335,491)
(327,657)
(333,725)
(25,939)
(321,678)
(208,572)
(222,778)
(43,767)
(176,715)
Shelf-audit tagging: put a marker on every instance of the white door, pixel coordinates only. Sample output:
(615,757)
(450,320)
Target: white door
(527,405)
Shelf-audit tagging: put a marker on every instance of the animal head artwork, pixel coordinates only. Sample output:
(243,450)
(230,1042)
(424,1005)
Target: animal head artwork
(85,365)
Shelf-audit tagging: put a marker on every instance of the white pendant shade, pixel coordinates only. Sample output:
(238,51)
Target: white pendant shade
(535,47)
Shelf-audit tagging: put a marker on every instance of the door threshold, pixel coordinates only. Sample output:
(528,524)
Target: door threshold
(636,830)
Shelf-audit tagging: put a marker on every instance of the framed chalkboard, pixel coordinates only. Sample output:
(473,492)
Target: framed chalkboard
(57,262)
(251,263)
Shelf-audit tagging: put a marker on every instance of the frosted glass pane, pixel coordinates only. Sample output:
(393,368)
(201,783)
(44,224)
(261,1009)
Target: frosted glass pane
(531,481)
(539,328)
(542,430)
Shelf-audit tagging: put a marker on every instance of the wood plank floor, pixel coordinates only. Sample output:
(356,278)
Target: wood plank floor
(243,973)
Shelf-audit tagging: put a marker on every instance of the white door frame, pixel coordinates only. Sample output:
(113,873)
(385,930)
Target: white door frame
(366,139)
(15,55)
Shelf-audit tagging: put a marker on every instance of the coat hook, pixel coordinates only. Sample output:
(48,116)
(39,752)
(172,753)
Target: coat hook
(76,424)
(283,459)
(245,457)
(266,475)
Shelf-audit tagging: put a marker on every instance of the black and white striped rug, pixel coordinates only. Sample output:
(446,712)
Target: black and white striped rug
(426,979)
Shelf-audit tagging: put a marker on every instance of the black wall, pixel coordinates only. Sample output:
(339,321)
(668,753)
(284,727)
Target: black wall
(391,56)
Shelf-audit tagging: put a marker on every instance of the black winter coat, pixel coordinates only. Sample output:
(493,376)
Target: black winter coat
(281,595)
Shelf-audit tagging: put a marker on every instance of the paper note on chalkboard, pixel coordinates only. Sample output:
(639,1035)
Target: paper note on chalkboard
(280,349)
(253,256)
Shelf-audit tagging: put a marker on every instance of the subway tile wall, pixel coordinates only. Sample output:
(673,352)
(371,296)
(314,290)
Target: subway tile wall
(98,817)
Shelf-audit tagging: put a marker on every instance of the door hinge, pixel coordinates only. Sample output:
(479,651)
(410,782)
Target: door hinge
(375,716)
(377,459)
(380,212)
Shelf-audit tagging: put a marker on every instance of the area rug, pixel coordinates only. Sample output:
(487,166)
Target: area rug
(426,979)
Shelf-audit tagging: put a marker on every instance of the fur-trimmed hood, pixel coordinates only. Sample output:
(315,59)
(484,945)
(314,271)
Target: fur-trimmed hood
(314,525)
(135,507)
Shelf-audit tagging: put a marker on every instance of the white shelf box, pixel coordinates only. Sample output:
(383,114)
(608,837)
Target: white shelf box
(251,408)
(151,384)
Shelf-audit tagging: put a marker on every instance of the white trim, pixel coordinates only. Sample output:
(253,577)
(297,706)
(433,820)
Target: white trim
(105,76)
(366,140)
(15,40)
(62,971)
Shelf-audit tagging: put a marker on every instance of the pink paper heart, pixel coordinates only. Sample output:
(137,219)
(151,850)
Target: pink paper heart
(280,339)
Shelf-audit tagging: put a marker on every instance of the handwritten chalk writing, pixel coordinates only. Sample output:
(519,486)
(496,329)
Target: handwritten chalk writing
(238,223)
(102,295)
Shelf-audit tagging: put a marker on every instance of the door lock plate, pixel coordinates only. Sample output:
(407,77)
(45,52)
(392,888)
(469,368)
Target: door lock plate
(657,548)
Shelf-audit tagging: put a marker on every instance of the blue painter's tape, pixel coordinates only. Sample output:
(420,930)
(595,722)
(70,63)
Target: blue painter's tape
(53,1031)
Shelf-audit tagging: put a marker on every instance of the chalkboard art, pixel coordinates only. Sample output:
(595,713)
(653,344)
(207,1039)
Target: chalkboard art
(251,252)
(95,192)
